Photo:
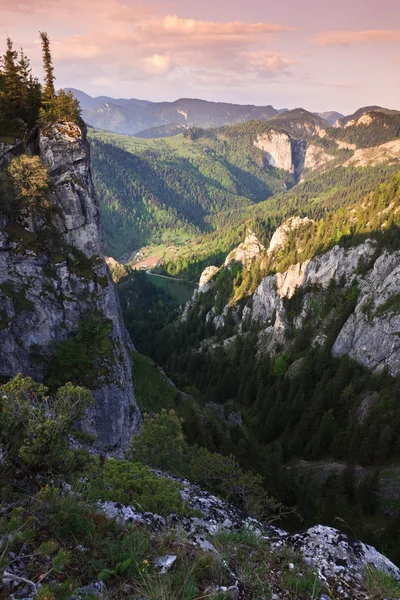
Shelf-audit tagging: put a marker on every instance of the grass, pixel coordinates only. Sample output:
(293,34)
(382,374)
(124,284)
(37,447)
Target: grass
(380,585)
(262,572)
(174,244)
(66,544)
(392,305)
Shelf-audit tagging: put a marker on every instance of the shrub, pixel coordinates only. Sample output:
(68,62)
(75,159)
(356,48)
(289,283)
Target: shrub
(161,443)
(34,427)
(31,180)
(223,476)
(133,483)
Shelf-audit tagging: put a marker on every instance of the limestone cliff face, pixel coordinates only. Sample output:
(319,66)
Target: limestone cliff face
(53,274)
(246,252)
(371,333)
(316,157)
(388,153)
(278,149)
(293,155)
(281,234)
(282,151)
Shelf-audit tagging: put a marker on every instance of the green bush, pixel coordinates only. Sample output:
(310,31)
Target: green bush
(161,443)
(34,426)
(133,483)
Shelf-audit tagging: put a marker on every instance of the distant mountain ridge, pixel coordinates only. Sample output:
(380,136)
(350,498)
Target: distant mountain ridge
(146,119)
(130,116)
(88,102)
(363,111)
(331,116)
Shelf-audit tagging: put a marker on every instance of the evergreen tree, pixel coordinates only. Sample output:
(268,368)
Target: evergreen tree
(20,93)
(9,88)
(67,107)
(49,91)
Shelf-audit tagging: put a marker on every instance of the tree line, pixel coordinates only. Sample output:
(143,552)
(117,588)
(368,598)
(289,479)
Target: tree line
(24,101)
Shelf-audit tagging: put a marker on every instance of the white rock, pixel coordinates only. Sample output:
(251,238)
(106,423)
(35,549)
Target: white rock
(164,563)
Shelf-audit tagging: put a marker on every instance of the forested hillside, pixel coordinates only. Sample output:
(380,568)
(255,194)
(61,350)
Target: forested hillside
(299,402)
(203,180)
(320,195)
(180,184)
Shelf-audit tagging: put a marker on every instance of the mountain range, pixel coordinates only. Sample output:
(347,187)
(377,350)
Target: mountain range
(143,118)
(133,116)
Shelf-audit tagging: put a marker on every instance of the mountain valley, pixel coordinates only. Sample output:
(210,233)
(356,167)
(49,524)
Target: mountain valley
(199,347)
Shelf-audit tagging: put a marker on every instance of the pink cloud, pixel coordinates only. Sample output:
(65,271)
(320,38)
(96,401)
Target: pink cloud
(175,25)
(158,46)
(133,42)
(48,6)
(266,63)
(346,38)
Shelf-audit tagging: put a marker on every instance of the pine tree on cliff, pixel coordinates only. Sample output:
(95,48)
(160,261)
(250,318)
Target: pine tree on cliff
(20,93)
(30,92)
(9,83)
(55,107)
(49,91)
(10,71)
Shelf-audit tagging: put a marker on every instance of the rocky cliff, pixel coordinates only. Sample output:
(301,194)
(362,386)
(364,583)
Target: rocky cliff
(370,334)
(55,286)
(282,151)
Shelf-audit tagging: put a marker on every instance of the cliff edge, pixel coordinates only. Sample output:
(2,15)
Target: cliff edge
(55,288)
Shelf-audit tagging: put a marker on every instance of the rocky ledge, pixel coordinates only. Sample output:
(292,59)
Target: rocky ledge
(340,561)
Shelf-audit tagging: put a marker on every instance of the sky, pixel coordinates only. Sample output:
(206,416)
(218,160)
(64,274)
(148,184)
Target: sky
(317,54)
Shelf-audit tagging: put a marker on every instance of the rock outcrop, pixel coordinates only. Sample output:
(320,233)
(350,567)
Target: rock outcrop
(282,151)
(371,333)
(205,279)
(281,234)
(339,560)
(388,153)
(246,252)
(53,275)
(316,157)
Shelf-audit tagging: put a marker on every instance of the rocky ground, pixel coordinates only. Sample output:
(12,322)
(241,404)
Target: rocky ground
(335,564)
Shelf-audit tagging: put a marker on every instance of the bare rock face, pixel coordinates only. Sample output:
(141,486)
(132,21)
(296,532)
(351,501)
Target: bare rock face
(278,149)
(371,334)
(246,251)
(339,557)
(282,151)
(280,236)
(316,157)
(53,274)
(206,277)
(388,153)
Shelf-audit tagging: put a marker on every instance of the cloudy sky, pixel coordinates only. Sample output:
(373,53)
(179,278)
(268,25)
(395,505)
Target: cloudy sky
(318,54)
